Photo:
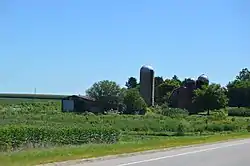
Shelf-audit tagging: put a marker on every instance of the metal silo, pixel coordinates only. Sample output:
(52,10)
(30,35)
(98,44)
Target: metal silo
(147,84)
(202,80)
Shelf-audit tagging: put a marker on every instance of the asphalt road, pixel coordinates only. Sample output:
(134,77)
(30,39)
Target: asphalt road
(234,153)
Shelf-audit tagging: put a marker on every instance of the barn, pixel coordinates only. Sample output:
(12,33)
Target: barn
(78,103)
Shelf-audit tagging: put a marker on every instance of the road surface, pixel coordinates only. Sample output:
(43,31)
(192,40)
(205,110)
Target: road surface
(233,153)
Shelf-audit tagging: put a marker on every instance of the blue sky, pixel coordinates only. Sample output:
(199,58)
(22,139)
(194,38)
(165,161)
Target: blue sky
(64,46)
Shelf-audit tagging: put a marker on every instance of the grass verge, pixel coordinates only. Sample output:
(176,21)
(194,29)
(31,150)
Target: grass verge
(40,156)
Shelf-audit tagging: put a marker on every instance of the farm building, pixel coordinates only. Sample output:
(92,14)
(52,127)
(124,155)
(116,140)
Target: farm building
(78,103)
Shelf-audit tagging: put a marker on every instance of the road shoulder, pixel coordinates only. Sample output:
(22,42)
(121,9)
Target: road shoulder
(147,152)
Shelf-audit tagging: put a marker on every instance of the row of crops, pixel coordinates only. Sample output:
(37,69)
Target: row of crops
(32,124)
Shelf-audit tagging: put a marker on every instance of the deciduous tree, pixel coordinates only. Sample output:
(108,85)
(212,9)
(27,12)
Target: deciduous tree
(244,75)
(131,83)
(134,102)
(164,90)
(210,97)
(238,91)
(106,92)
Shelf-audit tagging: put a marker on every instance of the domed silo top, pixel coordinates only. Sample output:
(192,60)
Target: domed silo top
(146,68)
(203,78)
(190,80)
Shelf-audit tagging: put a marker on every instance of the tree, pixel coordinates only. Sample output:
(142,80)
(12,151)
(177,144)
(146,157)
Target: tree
(103,88)
(132,83)
(137,87)
(134,102)
(158,81)
(244,75)
(210,97)
(106,92)
(238,93)
(164,90)
(175,78)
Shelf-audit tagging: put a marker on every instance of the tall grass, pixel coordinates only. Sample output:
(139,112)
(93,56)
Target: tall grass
(48,123)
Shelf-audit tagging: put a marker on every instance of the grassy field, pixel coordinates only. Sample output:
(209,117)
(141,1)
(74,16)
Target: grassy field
(54,154)
(36,131)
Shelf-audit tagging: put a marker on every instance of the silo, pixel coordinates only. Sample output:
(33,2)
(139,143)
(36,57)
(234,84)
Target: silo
(147,84)
(190,83)
(202,80)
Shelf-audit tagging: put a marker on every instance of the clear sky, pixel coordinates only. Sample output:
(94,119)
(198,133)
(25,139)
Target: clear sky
(64,46)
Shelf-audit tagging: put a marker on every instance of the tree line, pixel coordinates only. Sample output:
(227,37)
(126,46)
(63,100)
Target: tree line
(209,97)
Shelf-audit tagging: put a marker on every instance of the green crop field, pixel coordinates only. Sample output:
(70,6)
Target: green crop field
(39,124)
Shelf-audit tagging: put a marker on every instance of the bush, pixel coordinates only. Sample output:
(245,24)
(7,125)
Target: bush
(219,127)
(135,104)
(248,128)
(235,111)
(180,130)
(218,115)
(172,112)
(152,122)
(13,137)
(199,128)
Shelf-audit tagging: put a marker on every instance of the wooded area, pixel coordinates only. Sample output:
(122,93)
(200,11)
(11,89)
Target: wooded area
(209,97)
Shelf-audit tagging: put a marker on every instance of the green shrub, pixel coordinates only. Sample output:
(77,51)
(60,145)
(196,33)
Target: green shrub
(180,130)
(248,128)
(152,122)
(235,111)
(13,137)
(214,127)
(218,115)
(199,128)
(172,112)
(135,104)
(219,127)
